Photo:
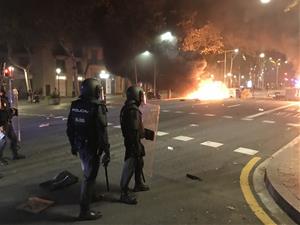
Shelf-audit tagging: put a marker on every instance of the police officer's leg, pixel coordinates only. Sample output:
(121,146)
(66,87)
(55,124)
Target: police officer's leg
(14,144)
(127,173)
(2,147)
(139,185)
(90,166)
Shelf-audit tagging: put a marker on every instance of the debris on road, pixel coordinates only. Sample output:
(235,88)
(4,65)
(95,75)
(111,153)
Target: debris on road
(44,125)
(193,177)
(61,180)
(230,207)
(35,205)
(170,148)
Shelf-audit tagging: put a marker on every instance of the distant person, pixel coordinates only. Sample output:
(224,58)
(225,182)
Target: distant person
(87,133)
(29,97)
(6,114)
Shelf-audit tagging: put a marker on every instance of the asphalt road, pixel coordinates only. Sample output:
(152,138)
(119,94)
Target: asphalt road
(199,138)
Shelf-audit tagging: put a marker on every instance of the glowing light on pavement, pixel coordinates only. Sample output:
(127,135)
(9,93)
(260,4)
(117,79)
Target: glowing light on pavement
(210,90)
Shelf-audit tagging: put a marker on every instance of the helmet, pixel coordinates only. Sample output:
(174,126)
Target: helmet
(137,94)
(91,88)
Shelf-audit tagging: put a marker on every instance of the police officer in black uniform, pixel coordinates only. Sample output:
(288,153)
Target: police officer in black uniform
(6,115)
(87,133)
(133,131)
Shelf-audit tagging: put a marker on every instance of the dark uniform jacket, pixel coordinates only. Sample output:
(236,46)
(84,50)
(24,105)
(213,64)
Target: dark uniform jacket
(6,113)
(87,126)
(132,129)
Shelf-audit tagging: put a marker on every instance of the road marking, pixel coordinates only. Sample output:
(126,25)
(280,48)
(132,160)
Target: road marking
(109,124)
(183,138)
(208,114)
(44,125)
(118,126)
(293,124)
(194,125)
(271,110)
(160,133)
(170,148)
(246,151)
(227,117)
(268,121)
(58,117)
(247,119)
(65,118)
(178,112)
(232,106)
(248,195)
(193,113)
(212,144)
(165,110)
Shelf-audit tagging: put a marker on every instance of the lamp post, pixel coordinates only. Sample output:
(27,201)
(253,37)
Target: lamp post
(231,61)
(58,71)
(262,68)
(277,64)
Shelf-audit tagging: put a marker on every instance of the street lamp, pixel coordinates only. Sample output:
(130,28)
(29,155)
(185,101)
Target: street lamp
(58,71)
(265,1)
(231,61)
(167,36)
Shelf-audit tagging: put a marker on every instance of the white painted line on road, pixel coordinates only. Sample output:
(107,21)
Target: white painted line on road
(212,144)
(183,138)
(193,113)
(194,125)
(58,117)
(246,151)
(293,124)
(247,119)
(44,125)
(165,110)
(109,124)
(268,121)
(118,126)
(208,114)
(271,110)
(65,118)
(160,133)
(232,106)
(227,117)
(178,112)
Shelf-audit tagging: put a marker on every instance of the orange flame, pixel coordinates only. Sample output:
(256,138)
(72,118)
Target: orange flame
(210,90)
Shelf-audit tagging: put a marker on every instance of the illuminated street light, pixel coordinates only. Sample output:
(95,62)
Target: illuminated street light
(236,50)
(265,1)
(286,62)
(262,55)
(104,74)
(167,37)
(58,71)
(146,53)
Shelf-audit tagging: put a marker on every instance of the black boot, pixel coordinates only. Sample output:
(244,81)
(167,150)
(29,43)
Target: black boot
(18,156)
(89,215)
(141,187)
(127,199)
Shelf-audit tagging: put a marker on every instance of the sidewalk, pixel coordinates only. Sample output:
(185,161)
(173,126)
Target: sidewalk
(282,178)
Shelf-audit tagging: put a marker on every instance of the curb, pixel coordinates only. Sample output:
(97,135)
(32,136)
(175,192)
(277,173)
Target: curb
(282,196)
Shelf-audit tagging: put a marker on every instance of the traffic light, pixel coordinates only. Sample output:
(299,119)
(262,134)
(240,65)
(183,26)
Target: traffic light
(7,73)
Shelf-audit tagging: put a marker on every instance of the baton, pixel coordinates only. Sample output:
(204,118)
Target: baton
(143,177)
(106,177)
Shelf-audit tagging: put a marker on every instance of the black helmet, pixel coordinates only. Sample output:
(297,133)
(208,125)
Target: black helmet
(135,93)
(90,88)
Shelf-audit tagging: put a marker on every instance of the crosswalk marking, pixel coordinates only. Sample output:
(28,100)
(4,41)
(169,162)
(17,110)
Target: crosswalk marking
(227,117)
(209,114)
(194,125)
(268,121)
(160,133)
(44,125)
(118,126)
(58,117)
(165,110)
(183,138)
(293,124)
(232,106)
(193,113)
(246,151)
(178,112)
(212,144)
(247,119)
(109,124)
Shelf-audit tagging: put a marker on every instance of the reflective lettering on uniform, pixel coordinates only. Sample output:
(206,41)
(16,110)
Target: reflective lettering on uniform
(79,120)
(80,110)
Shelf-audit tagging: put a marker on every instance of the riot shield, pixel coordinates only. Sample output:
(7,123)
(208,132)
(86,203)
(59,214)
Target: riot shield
(150,115)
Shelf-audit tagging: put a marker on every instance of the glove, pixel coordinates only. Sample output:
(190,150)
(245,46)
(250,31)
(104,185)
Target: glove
(105,160)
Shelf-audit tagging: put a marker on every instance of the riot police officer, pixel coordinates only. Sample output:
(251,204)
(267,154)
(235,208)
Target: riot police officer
(133,131)
(6,114)
(87,133)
